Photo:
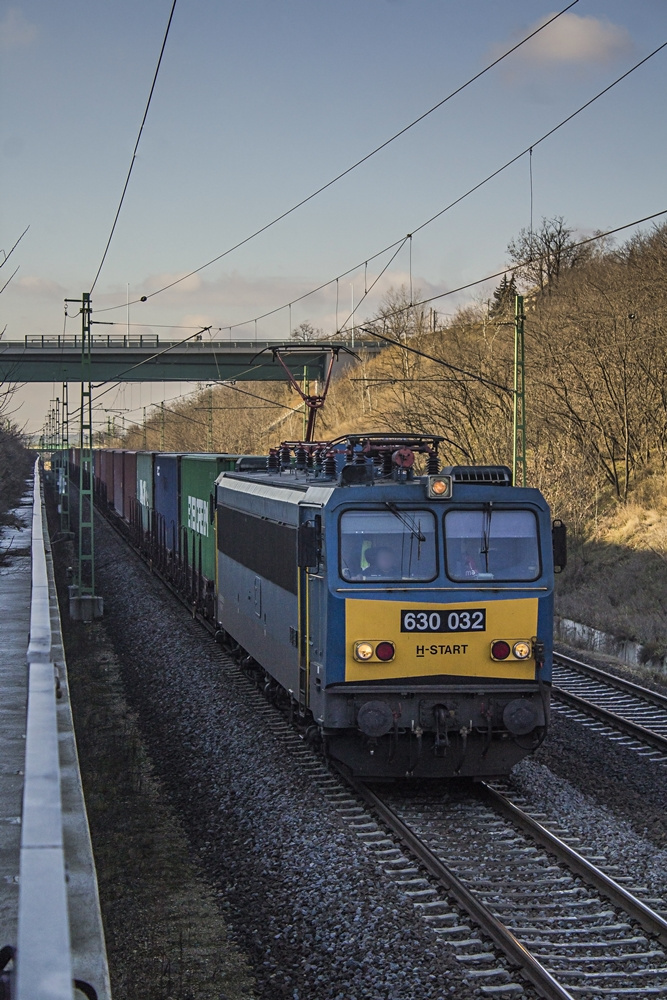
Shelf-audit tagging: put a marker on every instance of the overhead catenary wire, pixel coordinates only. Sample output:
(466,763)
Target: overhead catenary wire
(354,166)
(6,256)
(367,328)
(136,147)
(457,201)
(472,376)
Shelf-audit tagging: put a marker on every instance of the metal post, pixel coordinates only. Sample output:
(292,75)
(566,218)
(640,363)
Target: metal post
(162,426)
(145,432)
(209,432)
(306,390)
(84,604)
(63,484)
(519,423)
(56,441)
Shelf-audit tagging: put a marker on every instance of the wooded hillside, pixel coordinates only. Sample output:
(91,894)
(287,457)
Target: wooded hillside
(596,386)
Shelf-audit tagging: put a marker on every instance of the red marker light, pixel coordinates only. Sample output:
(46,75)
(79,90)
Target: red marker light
(385,651)
(500,650)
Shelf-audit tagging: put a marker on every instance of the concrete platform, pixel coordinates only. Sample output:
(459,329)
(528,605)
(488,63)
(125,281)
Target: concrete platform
(23,906)
(15,588)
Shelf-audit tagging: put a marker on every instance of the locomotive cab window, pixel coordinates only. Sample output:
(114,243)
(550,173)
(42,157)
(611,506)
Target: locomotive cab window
(491,544)
(388,545)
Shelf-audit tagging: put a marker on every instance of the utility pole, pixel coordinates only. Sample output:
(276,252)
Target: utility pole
(306,390)
(145,432)
(209,429)
(84,605)
(63,484)
(519,422)
(162,426)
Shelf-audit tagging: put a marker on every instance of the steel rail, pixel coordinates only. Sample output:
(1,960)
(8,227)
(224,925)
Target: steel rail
(660,700)
(502,937)
(651,921)
(617,721)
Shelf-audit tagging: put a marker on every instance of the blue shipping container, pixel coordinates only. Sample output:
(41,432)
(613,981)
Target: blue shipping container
(166,495)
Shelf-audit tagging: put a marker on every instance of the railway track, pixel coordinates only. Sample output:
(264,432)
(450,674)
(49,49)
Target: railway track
(523,911)
(570,929)
(635,711)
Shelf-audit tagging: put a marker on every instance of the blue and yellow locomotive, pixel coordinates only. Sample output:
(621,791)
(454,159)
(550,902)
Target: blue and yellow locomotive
(407,616)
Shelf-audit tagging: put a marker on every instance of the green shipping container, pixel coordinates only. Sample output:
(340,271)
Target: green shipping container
(145,484)
(198,476)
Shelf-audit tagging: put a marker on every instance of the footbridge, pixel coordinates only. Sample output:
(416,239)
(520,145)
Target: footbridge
(144,358)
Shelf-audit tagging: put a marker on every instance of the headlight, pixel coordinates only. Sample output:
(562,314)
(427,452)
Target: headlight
(439,487)
(516,649)
(363,650)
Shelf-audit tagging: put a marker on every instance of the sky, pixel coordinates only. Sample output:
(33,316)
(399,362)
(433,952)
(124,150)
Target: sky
(259,103)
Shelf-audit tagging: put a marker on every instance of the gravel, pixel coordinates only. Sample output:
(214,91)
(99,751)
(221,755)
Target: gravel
(308,906)
(601,830)
(613,777)
(304,900)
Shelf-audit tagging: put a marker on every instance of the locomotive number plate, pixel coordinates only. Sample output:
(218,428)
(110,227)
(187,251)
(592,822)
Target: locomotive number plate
(470,620)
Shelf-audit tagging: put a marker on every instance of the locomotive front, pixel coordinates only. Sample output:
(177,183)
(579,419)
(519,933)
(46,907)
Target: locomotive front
(406,618)
(437,660)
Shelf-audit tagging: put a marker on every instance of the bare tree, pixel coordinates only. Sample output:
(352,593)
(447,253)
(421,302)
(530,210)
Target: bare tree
(306,332)
(541,256)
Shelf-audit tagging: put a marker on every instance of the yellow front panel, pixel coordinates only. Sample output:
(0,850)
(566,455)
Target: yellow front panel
(420,653)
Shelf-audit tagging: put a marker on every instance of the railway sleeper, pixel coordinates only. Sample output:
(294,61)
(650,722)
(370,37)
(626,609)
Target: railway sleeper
(642,956)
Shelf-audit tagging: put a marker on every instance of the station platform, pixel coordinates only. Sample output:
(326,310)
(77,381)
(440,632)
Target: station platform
(51,934)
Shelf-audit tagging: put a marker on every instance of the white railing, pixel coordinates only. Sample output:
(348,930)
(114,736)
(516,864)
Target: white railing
(43,957)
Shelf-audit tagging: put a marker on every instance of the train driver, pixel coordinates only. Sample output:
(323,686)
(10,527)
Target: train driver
(383,563)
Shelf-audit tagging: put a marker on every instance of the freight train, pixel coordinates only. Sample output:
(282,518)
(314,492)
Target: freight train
(403,611)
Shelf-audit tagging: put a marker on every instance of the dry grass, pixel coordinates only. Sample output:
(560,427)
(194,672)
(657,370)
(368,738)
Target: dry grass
(616,578)
(166,939)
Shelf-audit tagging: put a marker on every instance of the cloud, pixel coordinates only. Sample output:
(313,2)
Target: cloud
(183,283)
(15,31)
(42,287)
(234,300)
(571,41)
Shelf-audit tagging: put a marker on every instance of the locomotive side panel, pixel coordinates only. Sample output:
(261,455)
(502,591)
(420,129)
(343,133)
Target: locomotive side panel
(258,588)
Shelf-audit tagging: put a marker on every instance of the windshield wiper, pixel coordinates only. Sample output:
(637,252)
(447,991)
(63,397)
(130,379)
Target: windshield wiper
(486,533)
(405,520)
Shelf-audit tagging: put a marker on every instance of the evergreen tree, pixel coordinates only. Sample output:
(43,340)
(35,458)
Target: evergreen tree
(503,297)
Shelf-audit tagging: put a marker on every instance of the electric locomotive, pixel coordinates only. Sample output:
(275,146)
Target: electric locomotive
(407,617)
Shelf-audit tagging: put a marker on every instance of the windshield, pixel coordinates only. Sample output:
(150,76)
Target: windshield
(390,545)
(491,544)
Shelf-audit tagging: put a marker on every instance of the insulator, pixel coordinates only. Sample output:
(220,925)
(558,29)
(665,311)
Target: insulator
(310,460)
(301,457)
(387,465)
(272,461)
(433,464)
(285,457)
(330,466)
